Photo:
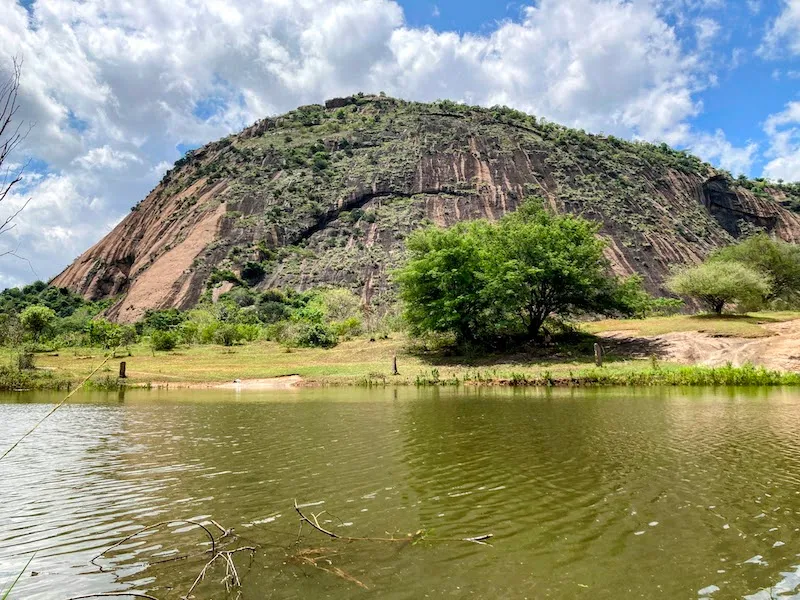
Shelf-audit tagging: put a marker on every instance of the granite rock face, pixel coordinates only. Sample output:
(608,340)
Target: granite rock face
(327,195)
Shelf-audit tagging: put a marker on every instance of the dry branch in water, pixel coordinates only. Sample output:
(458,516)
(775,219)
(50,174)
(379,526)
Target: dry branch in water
(231,579)
(319,558)
(115,595)
(313,556)
(225,533)
(411,537)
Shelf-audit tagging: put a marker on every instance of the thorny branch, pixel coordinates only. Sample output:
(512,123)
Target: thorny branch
(115,595)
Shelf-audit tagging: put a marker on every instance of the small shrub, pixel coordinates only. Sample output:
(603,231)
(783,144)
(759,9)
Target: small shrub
(26,361)
(163,341)
(248,332)
(227,334)
(312,335)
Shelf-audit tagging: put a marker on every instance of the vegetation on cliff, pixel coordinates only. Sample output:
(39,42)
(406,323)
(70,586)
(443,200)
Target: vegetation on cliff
(327,195)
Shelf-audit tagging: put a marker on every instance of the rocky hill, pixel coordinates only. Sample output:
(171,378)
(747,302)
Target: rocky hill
(327,194)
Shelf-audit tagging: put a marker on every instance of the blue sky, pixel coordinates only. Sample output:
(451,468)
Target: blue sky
(119,91)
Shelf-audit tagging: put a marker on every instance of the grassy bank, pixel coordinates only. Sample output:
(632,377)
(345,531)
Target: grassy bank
(364,362)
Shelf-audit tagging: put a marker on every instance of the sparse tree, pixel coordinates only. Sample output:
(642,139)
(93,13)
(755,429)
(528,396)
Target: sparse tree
(718,283)
(12,134)
(37,320)
(778,260)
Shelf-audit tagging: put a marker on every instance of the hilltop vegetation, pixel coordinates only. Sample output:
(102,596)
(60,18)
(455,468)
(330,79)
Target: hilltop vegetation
(327,195)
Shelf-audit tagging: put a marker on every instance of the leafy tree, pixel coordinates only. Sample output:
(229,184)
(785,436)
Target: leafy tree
(101,332)
(539,264)
(482,280)
(717,283)
(778,260)
(37,320)
(443,282)
(163,320)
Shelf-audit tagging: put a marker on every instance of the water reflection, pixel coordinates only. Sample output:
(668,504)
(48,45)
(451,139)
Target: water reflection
(589,493)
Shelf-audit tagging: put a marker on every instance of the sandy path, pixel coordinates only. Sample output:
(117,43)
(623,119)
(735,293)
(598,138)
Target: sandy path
(780,350)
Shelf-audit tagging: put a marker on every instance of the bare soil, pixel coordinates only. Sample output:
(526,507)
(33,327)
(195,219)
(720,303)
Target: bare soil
(780,350)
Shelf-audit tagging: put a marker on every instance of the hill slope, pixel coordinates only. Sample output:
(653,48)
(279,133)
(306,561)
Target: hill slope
(327,195)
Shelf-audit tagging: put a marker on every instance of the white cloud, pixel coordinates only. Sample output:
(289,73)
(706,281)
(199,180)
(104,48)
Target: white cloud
(783,130)
(114,86)
(106,157)
(706,29)
(716,148)
(784,32)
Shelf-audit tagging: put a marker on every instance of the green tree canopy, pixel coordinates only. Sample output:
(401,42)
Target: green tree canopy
(778,260)
(717,283)
(482,279)
(443,282)
(37,319)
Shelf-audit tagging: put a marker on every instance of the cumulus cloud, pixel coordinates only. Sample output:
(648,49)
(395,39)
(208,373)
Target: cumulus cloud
(717,149)
(706,29)
(115,86)
(783,34)
(783,129)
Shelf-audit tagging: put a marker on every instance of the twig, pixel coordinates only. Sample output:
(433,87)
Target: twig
(56,407)
(115,595)
(231,575)
(314,522)
(307,557)
(225,532)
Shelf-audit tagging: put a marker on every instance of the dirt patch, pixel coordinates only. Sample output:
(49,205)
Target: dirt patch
(780,350)
(286,382)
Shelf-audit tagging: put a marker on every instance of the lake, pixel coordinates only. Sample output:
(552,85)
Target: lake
(610,493)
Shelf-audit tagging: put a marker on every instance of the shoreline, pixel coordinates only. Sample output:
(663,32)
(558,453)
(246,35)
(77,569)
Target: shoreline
(670,351)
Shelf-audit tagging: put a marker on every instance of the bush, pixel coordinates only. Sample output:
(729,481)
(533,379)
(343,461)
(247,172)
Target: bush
(100,332)
(248,333)
(778,260)
(37,320)
(312,335)
(189,332)
(163,341)
(718,283)
(227,334)
(163,320)
(253,272)
(348,328)
(26,360)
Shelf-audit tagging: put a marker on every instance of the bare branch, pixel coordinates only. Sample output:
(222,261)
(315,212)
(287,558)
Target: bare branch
(116,595)
(224,531)
(313,520)
(11,136)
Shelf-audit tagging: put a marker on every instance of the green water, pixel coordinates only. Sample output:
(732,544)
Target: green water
(589,494)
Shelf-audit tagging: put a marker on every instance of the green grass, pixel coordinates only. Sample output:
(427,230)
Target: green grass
(362,362)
